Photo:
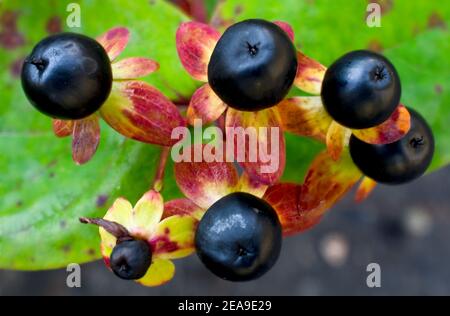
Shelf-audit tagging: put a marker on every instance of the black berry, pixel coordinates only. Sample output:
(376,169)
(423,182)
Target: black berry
(361,89)
(67,76)
(239,237)
(253,65)
(131,259)
(398,162)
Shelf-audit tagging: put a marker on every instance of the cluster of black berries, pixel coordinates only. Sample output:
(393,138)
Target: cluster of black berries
(253,66)
(361,90)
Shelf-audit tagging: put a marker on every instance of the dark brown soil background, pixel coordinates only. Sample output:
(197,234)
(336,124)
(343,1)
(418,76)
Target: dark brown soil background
(405,229)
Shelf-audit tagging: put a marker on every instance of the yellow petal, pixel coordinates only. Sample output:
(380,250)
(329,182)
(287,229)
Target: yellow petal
(305,116)
(119,212)
(338,137)
(366,187)
(310,74)
(147,213)
(160,272)
(107,243)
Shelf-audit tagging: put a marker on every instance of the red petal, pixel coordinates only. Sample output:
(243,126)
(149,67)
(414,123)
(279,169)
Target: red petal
(287,28)
(366,187)
(258,142)
(205,105)
(195,44)
(134,67)
(139,111)
(62,128)
(86,136)
(183,207)
(305,116)
(114,41)
(337,139)
(326,182)
(284,198)
(390,131)
(310,74)
(205,182)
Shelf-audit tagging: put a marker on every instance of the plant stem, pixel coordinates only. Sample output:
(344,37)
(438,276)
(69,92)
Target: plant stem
(159,175)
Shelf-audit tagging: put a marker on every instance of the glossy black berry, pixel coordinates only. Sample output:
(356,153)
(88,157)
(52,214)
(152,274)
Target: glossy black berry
(398,162)
(67,76)
(131,259)
(361,89)
(253,65)
(239,237)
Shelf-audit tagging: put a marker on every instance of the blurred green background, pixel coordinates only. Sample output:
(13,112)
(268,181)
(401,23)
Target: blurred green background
(42,193)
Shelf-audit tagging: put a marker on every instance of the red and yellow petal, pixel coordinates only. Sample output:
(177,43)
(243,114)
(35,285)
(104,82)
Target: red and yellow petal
(310,74)
(366,187)
(114,41)
(205,105)
(258,143)
(205,182)
(305,116)
(338,137)
(146,214)
(287,28)
(174,237)
(183,207)
(86,137)
(252,186)
(139,111)
(160,271)
(390,131)
(62,128)
(133,68)
(284,198)
(195,43)
(326,182)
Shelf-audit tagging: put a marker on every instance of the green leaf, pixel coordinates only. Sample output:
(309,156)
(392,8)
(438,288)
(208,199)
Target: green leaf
(424,68)
(43,193)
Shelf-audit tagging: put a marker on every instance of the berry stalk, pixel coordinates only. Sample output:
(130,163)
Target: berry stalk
(115,229)
(158,180)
